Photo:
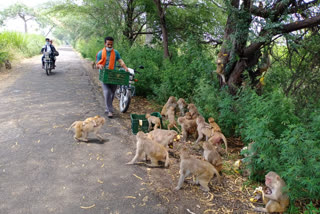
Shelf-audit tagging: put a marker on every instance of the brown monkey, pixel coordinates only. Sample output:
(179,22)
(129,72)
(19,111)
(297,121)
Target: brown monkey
(277,200)
(162,136)
(171,102)
(188,116)
(83,128)
(260,5)
(202,170)
(153,120)
(93,64)
(216,140)
(265,63)
(7,64)
(182,106)
(203,128)
(188,125)
(171,117)
(193,111)
(212,156)
(214,125)
(221,61)
(152,149)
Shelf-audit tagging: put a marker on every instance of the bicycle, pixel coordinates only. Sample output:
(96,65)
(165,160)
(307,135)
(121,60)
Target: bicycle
(124,93)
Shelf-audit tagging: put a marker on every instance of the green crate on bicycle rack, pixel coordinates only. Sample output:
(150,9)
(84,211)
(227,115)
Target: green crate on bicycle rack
(115,77)
(140,123)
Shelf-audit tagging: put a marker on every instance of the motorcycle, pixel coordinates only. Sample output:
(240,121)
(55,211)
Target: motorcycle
(48,63)
(125,92)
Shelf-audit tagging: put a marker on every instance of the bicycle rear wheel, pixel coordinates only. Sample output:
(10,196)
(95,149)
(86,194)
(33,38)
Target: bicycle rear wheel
(125,99)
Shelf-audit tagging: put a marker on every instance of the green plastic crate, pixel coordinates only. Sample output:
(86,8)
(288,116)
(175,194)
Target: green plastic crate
(115,77)
(137,126)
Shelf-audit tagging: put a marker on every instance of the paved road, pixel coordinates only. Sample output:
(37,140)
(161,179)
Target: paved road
(42,169)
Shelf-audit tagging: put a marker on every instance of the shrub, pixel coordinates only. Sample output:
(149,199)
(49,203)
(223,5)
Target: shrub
(15,44)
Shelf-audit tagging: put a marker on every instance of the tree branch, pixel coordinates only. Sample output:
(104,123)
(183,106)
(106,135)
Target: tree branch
(279,7)
(218,42)
(218,5)
(298,25)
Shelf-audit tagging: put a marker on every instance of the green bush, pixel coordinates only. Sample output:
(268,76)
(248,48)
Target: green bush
(14,45)
(286,138)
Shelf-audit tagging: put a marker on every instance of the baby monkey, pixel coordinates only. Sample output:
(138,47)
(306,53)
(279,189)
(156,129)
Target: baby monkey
(182,105)
(153,120)
(214,125)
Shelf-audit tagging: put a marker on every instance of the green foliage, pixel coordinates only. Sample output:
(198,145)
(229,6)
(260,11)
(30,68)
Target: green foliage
(14,45)
(89,48)
(311,209)
(284,122)
(282,142)
(272,111)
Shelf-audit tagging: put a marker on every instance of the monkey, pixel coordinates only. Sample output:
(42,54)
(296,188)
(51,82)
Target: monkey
(188,116)
(193,111)
(212,156)
(182,106)
(202,170)
(162,136)
(260,5)
(93,64)
(221,61)
(152,149)
(171,117)
(265,63)
(276,200)
(214,125)
(171,102)
(153,120)
(7,64)
(203,128)
(188,125)
(77,125)
(83,128)
(216,140)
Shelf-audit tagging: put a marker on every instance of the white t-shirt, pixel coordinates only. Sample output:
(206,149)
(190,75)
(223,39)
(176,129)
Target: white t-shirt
(48,48)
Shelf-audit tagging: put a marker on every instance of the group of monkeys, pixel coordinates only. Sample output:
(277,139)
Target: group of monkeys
(155,145)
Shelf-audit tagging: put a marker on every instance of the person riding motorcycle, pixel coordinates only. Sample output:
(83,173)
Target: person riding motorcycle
(55,54)
(48,48)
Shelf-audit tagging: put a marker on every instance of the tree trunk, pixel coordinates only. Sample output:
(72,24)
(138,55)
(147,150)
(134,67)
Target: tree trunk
(235,57)
(25,27)
(128,32)
(163,28)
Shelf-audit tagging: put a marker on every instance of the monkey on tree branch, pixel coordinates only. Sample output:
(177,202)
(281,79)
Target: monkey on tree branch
(240,51)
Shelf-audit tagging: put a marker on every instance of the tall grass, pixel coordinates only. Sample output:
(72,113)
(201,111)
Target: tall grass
(14,45)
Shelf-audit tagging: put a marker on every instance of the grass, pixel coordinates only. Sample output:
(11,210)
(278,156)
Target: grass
(14,45)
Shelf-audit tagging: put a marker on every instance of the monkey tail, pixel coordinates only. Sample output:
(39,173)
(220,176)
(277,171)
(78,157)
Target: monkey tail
(78,129)
(225,142)
(72,125)
(222,77)
(215,171)
(167,159)
(179,131)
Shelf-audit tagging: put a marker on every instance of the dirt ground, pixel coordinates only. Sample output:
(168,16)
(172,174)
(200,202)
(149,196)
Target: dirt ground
(230,197)
(233,196)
